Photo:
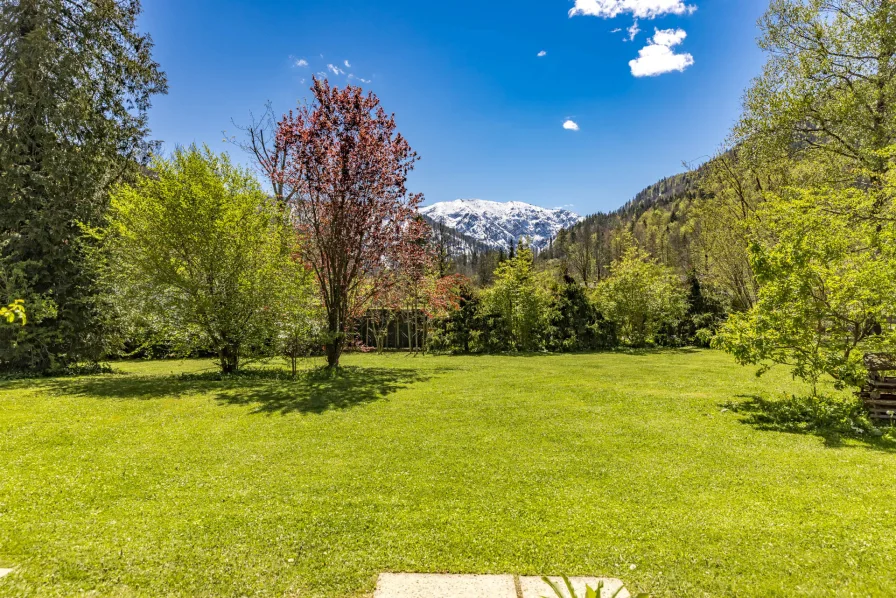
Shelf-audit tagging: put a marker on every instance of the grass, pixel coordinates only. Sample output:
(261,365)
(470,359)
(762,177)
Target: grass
(164,481)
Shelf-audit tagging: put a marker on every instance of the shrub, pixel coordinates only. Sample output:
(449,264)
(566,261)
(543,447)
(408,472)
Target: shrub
(640,297)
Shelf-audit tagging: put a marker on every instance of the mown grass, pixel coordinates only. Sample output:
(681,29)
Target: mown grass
(164,481)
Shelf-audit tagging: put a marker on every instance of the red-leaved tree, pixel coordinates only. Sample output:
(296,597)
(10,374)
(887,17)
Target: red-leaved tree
(347,165)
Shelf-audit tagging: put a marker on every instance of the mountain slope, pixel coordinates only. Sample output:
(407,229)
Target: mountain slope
(498,225)
(452,241)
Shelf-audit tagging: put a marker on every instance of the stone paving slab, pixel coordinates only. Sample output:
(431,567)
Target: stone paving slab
(426,585)
(534,587)
(5,572)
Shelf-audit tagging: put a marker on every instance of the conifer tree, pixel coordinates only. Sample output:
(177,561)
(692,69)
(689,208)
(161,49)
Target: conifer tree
(76,78)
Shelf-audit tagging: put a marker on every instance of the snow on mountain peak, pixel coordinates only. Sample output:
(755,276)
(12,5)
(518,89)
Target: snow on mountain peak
(498,224)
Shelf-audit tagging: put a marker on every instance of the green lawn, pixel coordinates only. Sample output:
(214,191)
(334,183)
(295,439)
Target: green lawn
(152,483)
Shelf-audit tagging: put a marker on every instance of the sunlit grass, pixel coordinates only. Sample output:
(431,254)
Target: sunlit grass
(165,481)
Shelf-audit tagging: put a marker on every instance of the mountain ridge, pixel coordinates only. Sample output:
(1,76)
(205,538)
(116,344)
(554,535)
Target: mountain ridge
(498,225)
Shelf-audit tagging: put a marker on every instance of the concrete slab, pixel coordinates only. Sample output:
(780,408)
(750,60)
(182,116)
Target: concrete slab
(425,585)
(5,572)
(534,587)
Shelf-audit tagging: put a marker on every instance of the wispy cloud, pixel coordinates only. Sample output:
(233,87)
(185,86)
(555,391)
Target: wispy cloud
(570,125)
(542,54)
(300,62)
(657,57)
(633,31)
(335,69)
(361,79)
(641,9)
(347,65)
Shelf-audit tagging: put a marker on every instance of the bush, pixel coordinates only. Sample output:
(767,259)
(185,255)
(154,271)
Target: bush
(642,298)
(518,305)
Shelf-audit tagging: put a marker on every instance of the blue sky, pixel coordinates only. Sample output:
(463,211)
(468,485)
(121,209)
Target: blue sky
(485,112)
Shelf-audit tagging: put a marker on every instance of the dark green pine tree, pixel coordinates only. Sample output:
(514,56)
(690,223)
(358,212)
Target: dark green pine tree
(76,78)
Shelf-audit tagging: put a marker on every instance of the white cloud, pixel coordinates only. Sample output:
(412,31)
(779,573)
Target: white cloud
(617,30)
(668,37)
(347,65)
(569,125)
(298,61)
(361,79)
(633,31)
(640,9)
(542,54)
(335,69)
(657,57)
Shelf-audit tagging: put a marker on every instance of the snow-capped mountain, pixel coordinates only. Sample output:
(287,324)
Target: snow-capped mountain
(499,224)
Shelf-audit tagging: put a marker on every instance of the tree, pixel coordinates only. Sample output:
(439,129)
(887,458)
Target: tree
(826,267)
(576,325)
(521,300)
(829,86)
(198,250)
(454,331)
(640,296)
(347,167)
(76,80)
(297,311)
(581,254)
(270,157)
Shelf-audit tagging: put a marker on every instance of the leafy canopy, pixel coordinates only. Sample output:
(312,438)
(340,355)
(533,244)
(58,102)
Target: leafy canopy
(198,252)
(825,262)
(521,298)
(640,296)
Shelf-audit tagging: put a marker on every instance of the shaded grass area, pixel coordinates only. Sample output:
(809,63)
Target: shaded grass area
(833,416)
(165,479)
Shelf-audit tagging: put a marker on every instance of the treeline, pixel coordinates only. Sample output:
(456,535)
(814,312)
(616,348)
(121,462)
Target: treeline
(529,307)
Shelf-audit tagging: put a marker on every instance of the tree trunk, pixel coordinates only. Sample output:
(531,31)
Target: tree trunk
(336,336)
(334,350)
(230,359)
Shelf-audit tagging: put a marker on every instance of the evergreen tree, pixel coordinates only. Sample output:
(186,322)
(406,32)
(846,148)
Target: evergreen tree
(75,85)
(576,325)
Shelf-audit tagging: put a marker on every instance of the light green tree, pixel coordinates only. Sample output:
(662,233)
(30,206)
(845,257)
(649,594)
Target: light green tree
(197,251)
(640,296)
(298,313)
(825,262)
(828,88)
(520,296)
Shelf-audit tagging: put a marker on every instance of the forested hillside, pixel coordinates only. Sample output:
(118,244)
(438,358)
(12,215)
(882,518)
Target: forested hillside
(657,217)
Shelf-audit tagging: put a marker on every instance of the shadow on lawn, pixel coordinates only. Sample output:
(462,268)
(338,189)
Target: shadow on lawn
(637,352)
(320,390)
(269,390)
(830,419)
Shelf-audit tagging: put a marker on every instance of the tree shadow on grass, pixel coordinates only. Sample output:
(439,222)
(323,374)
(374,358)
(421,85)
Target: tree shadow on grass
(320,390)
(836,421)
(270,390)
(637,352)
